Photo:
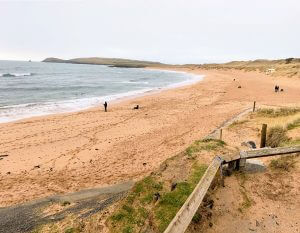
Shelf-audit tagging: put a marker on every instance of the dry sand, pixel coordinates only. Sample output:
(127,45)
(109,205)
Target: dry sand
(68,152)
(264,201)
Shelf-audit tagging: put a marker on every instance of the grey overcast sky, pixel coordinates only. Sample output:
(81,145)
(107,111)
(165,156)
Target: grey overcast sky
(171,31)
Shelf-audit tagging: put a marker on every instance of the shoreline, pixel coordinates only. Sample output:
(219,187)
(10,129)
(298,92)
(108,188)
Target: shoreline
(68,152)
(115,98)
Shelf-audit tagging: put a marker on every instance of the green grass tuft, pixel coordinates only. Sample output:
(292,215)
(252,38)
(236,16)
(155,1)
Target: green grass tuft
(127,229)
(172,201)
(295,124)
(72,230)
(197,218)
(246,200)
(206,144)
(285,163)
(246,203)
(133,213)
(295,142)
(237,123)
(139,205)
(281,112)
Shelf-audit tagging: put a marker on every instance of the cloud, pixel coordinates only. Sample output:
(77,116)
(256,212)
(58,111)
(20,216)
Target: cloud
(174,31)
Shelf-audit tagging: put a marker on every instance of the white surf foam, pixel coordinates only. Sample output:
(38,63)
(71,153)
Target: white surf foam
(18,112)
(15,74)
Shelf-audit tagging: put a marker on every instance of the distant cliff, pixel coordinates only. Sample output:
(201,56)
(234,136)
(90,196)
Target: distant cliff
(114,62)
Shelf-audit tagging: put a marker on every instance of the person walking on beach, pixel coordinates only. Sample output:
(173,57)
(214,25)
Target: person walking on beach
(105,106)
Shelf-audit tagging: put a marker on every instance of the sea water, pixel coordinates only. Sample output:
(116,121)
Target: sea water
(35,88)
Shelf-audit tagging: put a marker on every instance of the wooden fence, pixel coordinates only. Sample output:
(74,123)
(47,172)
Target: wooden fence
(184,216)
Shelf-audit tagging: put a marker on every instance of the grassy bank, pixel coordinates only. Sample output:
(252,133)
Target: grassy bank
(155,200)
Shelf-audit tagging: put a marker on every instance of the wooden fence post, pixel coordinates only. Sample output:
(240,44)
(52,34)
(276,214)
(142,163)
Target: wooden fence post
(221,134)
(237,165)
(254,106)
(263,136)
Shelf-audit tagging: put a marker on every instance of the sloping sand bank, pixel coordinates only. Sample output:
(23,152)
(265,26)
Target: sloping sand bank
(69,152)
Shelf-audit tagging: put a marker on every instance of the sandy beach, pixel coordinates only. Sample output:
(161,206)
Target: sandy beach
(68,152)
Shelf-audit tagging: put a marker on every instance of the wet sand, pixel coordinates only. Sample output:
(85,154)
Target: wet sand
(68,152)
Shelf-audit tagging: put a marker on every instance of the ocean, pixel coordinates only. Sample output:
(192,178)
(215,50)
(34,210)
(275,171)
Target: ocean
(30,89)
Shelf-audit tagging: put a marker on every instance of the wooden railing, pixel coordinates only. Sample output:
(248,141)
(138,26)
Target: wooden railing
(264,152)
(184,216)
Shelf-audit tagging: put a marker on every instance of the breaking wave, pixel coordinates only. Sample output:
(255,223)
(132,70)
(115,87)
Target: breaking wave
(16,74)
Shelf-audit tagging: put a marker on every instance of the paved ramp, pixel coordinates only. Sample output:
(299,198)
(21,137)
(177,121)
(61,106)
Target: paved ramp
(24,218)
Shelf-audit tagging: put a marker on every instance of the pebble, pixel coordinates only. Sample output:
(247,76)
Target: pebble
(173,186)
(156,196)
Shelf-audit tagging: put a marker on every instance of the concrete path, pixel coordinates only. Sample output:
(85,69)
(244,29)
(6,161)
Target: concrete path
(26,217)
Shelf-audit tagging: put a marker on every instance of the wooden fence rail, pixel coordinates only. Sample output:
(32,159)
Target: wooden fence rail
(184,216)
(264,152)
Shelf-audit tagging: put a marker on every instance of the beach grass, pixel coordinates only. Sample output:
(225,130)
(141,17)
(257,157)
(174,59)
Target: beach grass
(237,123)
(293,125)
(273,113)
(285,163)
(284,67)
(206,145)
(292,142)
(276,136)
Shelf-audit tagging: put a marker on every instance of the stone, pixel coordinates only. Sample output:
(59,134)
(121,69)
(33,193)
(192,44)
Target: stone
(249,144)
(257,223)
(156,197)
(210,204)
(173,186)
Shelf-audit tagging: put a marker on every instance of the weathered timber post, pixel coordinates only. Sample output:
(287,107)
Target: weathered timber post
(221,134)
(263,136)
(222,176)
(231,165)
(242,160)
(237,165)
(254,106)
